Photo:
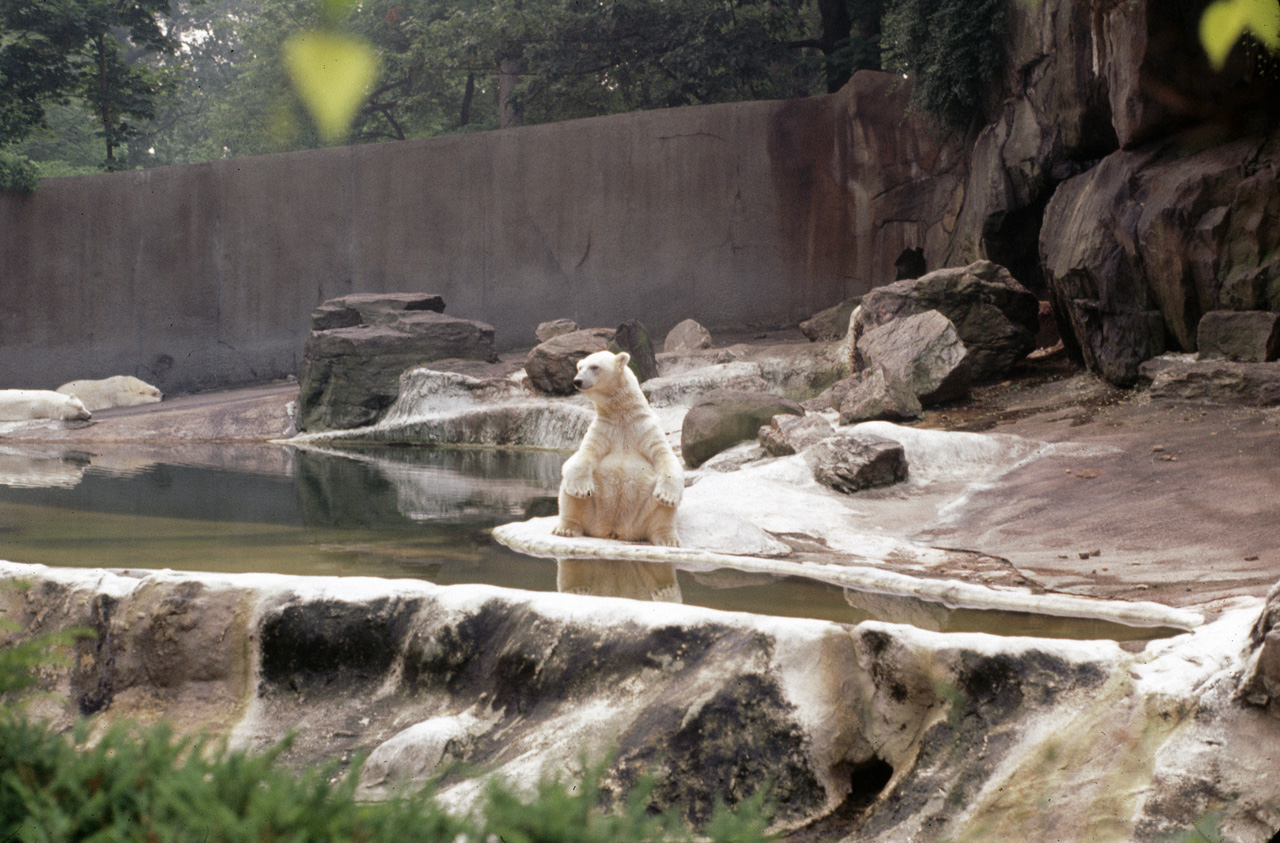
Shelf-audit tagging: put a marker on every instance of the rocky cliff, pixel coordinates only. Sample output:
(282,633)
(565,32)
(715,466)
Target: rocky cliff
(1120,177)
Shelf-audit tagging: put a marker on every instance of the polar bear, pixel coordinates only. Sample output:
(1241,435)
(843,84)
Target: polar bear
(624,482)
(115,391)
(29,404)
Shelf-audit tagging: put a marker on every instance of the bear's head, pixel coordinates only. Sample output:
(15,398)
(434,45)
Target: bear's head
(136,391)
(603,372)
(73,409)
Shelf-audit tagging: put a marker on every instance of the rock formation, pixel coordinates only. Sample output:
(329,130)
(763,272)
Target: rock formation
(360,344)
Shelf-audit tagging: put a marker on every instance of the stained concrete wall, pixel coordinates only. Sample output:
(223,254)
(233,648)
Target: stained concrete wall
(738,215)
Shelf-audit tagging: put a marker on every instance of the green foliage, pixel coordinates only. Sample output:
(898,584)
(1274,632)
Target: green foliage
(143,786)
(567,58)
(82,50)
(140,786)
(950,49)
(17,173)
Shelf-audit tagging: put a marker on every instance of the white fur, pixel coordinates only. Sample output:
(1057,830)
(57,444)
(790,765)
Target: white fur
(29,404)
(115,391)
(625,481)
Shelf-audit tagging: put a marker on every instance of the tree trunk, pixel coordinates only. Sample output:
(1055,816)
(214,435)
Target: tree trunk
(464,115)
(508,76)
(104,108)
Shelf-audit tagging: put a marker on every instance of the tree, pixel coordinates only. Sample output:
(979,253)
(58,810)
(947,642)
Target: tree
(558,59)
(89,50)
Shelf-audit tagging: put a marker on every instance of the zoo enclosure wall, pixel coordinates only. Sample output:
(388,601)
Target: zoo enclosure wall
(193,277)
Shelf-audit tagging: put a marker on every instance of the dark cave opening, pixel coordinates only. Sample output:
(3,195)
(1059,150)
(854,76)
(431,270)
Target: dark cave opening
(1012,239)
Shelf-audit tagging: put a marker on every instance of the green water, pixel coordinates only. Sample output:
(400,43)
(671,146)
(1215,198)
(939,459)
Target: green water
(388,512)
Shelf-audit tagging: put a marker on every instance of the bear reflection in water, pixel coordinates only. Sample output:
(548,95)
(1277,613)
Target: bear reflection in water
(618,578)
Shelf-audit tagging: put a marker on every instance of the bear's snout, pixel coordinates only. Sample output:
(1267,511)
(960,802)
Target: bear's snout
(579,383)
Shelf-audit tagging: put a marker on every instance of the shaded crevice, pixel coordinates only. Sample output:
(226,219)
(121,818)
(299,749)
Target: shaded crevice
(1012,239)
(867,780)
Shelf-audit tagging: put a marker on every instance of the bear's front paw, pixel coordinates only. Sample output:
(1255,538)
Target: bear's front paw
(567,530)
(583,489)
(668,492)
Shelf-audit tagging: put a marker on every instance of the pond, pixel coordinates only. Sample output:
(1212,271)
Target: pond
(387,512)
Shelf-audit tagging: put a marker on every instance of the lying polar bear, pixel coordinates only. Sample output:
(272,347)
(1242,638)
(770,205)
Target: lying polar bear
(116,391)
(30,404)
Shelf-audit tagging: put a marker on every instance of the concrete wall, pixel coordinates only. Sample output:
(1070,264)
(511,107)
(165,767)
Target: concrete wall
(738,215)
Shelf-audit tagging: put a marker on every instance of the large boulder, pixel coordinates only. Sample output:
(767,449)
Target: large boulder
(554,328)
(552,365)
(923,352)
(359,346)
(724,417)
(875,396)
(829,324)
(1180,377)
(1250,336)
(687,336)
(633,337)
(995,316)
(787,434)
(852,462)
(1136,250)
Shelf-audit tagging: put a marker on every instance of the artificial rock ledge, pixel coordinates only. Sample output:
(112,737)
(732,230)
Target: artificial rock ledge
(940,736)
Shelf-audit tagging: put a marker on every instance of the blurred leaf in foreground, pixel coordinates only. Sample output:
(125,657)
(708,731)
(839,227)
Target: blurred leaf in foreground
(1225,21)
(332,73)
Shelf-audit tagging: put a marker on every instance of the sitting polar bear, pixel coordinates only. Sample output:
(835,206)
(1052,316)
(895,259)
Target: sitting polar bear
(624,482)
(116,391)
(29,404)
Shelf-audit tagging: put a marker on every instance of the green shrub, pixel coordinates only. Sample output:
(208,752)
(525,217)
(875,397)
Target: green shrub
(951,50)
(17,173)
(144,786)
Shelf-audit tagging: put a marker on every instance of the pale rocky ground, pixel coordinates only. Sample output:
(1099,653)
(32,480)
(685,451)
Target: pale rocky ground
(880,731)
(1178,498)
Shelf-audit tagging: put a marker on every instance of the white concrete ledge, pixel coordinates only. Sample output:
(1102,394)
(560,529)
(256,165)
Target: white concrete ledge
(534,537)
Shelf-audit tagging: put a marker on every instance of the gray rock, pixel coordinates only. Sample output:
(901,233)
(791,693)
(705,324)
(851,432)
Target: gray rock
(995,316)
(685,389)
(1138,248)
(1260,685)
(872,395)
(922,352)
(552,365)
(508,681)
(554,328)
(1183,378)
(1251,336)
(371,309)
(350,375)
(788,434)
(850,463)
(633,337)
(829,324)
(687,336)
(725,417)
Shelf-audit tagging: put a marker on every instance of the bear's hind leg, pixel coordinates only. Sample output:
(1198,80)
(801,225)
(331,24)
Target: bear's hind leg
(573,516)
(662,527)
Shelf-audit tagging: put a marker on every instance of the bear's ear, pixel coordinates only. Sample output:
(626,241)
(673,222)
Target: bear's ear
(624,358)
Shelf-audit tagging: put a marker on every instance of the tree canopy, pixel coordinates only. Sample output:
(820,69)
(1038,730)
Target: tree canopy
(92,84)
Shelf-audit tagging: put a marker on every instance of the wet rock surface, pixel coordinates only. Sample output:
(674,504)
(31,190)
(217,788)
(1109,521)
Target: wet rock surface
(359,346)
